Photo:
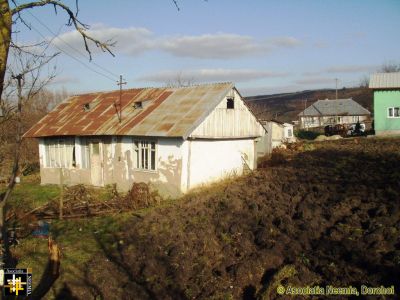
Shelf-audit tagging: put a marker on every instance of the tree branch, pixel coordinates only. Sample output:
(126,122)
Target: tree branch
(73,20)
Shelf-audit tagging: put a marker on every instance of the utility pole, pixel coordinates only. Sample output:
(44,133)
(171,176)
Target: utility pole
(120,83)
(336,86)
(336,117)
(304,111)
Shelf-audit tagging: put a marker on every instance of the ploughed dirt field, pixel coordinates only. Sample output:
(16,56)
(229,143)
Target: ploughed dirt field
(323,214)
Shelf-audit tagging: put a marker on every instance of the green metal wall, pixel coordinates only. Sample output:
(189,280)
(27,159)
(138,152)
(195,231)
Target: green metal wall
(383,100)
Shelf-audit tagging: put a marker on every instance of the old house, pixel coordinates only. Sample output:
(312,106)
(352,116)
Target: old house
(174,138)
(332,112)
(278,133)
(386,88)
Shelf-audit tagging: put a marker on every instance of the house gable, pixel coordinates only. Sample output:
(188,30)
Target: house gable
(230,118)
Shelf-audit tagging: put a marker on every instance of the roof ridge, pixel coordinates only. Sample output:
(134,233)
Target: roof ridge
(351,98)
(160,87)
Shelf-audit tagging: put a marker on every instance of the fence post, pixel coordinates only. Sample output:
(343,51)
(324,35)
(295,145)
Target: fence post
(61,203)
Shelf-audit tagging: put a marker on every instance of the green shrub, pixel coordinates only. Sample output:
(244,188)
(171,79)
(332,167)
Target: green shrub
(306,135)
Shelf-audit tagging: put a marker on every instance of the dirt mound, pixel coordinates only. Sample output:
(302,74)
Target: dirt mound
(330,216)
(321,138)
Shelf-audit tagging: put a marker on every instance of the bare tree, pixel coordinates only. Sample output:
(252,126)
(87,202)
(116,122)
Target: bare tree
(11,15)
(389,67)
(25,82)
(180,81)
(364,81)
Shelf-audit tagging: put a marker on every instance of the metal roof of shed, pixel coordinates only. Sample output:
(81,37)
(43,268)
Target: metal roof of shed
(166,112)
(339,107)
(385,80)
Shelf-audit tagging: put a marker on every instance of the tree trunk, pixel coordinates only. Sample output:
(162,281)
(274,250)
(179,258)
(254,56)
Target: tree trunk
(5,253)
(5,38)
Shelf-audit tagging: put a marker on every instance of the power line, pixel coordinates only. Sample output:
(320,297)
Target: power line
(70,55)
(70,46)
(76,59)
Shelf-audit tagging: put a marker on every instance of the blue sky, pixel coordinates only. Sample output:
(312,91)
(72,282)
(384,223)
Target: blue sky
(263,46)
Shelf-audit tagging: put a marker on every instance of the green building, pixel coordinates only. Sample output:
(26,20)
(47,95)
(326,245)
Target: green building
(386,88)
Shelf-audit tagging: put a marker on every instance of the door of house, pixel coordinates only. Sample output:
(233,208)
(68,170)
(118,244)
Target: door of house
(96,163)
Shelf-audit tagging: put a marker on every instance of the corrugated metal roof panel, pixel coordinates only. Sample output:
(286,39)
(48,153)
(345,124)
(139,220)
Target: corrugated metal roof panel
(384,80)
(339,107)
(171,112)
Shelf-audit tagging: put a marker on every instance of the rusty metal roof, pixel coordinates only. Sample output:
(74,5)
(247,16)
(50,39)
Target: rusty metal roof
(168,112)
(385,80)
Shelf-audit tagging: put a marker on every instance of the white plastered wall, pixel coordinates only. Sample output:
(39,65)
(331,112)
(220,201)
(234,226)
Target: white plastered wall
(212,160)
(120,167)
(42,152)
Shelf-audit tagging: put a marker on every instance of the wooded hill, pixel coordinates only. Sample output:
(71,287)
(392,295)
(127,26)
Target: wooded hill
(285,107)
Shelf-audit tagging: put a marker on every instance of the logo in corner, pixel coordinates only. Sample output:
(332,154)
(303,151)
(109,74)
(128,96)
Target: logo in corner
(17,282)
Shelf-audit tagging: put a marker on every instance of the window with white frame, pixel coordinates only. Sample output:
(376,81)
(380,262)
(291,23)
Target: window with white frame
(393,112)
(144,154)
(60,153)
(311,121)
(289,132)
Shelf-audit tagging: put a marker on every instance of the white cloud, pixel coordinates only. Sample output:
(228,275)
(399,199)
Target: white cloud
(210,75)
(61,80)
(312,73)
(351,69)
(315,80)
(342,69)
(285,42)
(321,44)
(222,45)
(212,46)
(268,90)
(134,41)
(130,41)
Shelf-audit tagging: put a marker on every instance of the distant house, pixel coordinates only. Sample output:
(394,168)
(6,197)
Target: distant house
(386,88)
(278,133)
(174,138)
(331,112)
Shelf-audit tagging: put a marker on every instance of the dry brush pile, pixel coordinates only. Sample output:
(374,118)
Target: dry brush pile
(80,201)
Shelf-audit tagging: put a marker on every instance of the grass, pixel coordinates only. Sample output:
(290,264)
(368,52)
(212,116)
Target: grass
(28,195)
(79,240)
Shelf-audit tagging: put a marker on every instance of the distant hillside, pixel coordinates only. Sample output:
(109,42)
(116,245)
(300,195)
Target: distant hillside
(285,107)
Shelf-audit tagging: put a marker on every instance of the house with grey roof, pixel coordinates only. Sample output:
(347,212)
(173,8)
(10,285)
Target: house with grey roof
(174,138)
(331,112)
(386,88)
